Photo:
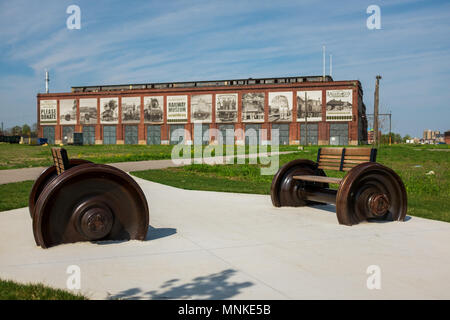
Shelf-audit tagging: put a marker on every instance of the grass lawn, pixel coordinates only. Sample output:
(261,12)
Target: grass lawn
(428,195)
(14,195)
(10,290)
(14,156)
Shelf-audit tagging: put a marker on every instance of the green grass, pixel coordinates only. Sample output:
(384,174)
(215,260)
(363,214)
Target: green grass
(14,156)
(428,195)
(14,195)
(10,290)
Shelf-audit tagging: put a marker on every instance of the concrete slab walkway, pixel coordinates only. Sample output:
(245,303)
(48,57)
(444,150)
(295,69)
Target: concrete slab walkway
(17,175)
(212,245)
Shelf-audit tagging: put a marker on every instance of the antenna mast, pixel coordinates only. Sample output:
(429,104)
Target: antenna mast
(47,80)
(323,64)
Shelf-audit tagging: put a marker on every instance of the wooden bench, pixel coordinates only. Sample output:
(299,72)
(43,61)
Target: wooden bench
(368,190)
(339,159)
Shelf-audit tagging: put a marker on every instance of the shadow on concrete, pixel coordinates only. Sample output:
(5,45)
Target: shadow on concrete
(157,233)
(323,206)
(213,286)
(387,220)
(152,234)
(332,209)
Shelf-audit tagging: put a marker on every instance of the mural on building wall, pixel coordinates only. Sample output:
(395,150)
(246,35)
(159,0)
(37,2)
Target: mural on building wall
(253,107)
(47,112)
(109,110)
(314,105)
(88,111)
(339,105)
(131,109)
(201,108)
(280,106)
(177,109)
(226,107)
(154,109)
(68,111)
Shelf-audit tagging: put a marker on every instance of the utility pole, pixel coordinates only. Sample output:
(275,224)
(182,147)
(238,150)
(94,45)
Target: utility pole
(306,119)
(375,110)
(390,128)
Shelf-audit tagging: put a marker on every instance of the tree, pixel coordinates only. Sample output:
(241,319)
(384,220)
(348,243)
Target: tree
(26,130)
(395,138)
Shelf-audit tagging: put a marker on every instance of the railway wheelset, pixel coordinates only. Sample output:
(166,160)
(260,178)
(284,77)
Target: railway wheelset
(77,200)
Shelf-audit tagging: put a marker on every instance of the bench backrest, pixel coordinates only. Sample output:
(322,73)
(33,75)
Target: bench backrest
(344,159)
(60,159)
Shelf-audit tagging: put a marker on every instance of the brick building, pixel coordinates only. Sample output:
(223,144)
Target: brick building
(150,113)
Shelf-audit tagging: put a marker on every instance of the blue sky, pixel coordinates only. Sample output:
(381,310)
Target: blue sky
(156,41)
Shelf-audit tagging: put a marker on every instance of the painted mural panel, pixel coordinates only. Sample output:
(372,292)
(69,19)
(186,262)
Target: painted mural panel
(154,109)
(177,110)
(253,107)
(313,106)
(280,106)
(68,111)
(201,108)
(226,107)
(88,111)
(131,109)
(339,105)
(109,110)
(47,112)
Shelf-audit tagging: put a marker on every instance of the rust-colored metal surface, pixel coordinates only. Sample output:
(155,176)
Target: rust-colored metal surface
(44,178)
(286,190)
(368,191)
(90,202)
(87,202)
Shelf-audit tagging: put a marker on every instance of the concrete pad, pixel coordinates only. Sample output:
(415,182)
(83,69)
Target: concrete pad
(214,245)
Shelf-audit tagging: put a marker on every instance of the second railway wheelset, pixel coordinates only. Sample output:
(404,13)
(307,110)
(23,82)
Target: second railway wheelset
(369,190)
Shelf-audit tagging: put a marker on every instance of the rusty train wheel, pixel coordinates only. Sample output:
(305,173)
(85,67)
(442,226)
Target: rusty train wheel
(88,203)
(44,178)
(371,190)
(285,191)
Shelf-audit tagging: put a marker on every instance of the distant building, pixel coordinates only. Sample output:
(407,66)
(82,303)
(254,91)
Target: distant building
(427,134)
(432,137)
(370,136)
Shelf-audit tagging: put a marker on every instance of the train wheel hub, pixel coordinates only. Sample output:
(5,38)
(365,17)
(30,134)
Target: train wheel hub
(94,219)
(379,204)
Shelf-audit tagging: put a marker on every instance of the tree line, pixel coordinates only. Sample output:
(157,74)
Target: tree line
(24,130)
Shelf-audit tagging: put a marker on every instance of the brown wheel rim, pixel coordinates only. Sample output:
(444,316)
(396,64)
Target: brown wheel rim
(88,203)
(285,190)
(44,178)
(370,191)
